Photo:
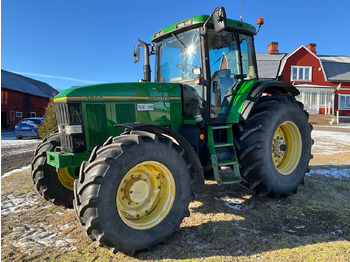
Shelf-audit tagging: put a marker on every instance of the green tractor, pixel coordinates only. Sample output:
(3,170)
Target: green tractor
(127,155)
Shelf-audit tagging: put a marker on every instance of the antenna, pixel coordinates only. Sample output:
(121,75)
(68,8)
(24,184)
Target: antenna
(240,9)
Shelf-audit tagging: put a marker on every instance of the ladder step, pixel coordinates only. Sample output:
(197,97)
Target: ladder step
(227,162)
(230,180)
(223,144)
(221,127)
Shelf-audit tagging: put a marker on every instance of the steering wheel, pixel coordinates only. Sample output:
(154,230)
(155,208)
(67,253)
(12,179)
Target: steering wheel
(180,66)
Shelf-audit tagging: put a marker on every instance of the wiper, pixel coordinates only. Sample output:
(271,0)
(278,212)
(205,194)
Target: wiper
(182,43)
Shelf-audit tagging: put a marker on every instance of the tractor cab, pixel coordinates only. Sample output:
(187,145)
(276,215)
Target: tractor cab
(210,57)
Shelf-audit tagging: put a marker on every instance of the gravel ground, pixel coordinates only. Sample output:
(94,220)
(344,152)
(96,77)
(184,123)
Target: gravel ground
(33,229)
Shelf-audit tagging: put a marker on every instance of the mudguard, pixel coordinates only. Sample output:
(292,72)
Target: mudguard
(248,93)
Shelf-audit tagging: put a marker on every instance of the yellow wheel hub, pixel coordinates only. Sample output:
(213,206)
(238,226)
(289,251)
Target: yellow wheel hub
(145,195)
(65,178)
(286,147)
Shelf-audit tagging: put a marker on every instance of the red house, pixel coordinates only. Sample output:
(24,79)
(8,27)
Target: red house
(323,80)
(22,97)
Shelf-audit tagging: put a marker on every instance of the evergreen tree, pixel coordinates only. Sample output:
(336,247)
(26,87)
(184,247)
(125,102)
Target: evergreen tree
(50,122)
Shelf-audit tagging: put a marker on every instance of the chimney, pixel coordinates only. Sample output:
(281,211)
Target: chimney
(312,48)
(273,48)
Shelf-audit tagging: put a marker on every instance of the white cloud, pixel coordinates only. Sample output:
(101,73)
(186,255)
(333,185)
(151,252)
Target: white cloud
(58,77)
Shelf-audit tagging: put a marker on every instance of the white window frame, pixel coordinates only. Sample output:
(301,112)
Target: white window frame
(303,68)
(32,114)
(339,105)
(19,114)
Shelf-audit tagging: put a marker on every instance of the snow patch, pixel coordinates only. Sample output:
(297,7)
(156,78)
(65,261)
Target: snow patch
(234,203)
(330,142)
(15,171)
(335,172)
(19,203)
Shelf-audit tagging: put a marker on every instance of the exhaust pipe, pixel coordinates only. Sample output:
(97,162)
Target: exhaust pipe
(146,66)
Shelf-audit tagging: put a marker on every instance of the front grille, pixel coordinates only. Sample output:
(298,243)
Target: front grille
(70,114)
(96,126)
(125,114)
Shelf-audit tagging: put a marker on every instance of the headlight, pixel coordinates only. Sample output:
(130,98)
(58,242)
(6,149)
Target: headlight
(70,129)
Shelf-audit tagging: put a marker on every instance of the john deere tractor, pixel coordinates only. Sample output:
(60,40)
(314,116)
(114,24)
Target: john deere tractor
(127,155)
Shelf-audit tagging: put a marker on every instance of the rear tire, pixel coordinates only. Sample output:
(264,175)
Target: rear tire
(274,146)
(134,191)
(55,186)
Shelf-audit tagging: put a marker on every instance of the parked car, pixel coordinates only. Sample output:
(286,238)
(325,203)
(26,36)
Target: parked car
(28,127)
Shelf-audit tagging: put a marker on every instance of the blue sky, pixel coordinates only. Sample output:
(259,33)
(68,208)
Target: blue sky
(76,42)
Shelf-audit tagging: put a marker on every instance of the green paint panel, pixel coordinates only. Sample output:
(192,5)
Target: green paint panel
(240,97)
(122,92)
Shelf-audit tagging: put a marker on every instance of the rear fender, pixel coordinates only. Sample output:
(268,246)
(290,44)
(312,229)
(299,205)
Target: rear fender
(250,92)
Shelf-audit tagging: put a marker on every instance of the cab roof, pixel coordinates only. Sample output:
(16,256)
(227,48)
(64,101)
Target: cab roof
(197,21)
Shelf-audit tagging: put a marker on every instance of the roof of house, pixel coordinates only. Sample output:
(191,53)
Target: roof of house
(336,68)
(26,85)
(268,64)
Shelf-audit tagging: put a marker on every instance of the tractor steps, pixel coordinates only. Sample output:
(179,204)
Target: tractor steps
(229,159)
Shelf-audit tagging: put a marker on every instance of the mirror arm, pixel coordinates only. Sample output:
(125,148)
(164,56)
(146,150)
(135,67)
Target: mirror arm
(206,22)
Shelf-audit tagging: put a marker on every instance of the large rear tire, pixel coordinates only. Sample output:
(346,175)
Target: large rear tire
(134,191)
(274,146)
(54,185)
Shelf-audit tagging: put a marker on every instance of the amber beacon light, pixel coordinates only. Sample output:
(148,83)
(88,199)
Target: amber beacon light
(260,22)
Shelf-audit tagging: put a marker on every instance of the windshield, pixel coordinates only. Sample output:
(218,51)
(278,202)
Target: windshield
(177,56)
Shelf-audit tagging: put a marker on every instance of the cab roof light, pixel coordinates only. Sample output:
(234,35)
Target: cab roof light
(158,34)
(184,23)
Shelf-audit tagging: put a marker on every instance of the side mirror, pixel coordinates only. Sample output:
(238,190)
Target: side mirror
(219,19)
(136,54)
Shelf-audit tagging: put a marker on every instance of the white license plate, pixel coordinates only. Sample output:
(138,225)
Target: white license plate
(25,127)
(145,107)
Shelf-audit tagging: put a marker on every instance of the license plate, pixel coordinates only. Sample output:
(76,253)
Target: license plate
(145,107)
(25,127)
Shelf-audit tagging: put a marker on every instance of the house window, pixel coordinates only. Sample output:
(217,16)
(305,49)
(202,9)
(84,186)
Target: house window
(301,73)
(32,114)
(344,101)
(18,114)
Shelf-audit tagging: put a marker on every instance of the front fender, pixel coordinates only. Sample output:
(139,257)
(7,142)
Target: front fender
(248,93)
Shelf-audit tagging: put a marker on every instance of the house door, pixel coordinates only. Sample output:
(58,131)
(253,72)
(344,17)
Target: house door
(3,118)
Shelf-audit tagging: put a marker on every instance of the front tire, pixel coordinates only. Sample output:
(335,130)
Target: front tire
(274,146)
(134,191)
(54,185)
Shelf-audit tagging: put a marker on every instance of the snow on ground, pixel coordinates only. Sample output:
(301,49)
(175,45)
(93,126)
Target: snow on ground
(15,171)
(9,143)
(330,142)
(340,172)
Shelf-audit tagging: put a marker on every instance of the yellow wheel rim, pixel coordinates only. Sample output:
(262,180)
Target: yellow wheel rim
(65,178)
(286,147)
(145,195)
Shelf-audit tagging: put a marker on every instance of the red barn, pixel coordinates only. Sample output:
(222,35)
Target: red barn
(22,97)
(323,80)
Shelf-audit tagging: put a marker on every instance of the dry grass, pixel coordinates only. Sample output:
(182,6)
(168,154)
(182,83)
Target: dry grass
(227,223)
